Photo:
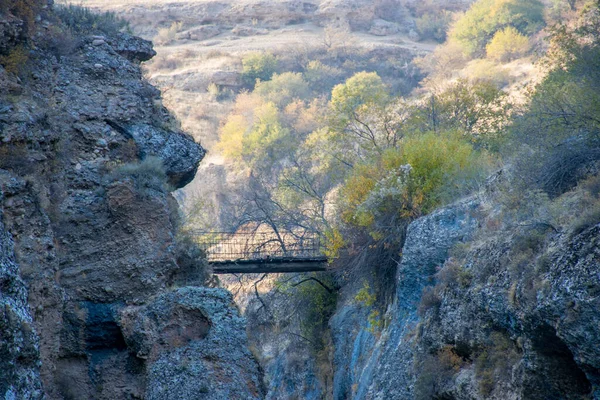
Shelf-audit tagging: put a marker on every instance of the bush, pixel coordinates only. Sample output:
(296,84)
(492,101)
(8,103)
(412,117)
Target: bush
(322,77)
(282,89)
(486,17)
(14,61)
(82,20)
(436,372)
(148,175)
(167,35)
(191,260)
(409,181)
(258,66)
(434,25)
(561,126)
(587,220)
(494,363)
(430,299)
(507,45)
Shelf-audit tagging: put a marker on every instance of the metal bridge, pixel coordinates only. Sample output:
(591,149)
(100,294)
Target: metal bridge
(260,252)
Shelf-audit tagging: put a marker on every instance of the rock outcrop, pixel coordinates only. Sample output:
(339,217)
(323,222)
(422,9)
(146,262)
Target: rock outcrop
(88,252)
(19,348)
(490,324)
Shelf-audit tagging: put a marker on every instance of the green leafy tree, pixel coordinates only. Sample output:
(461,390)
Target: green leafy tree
(486,17)
(283,88)
(409,181)
(258,66)
(507,45)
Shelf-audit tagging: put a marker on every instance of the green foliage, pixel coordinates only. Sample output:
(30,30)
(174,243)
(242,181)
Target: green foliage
(365,296)
(477,108)
(82,20)
(362,91)
(507,44)
(486,17)
(317,306)
(148,175)
(409,181)
(322,77)
(258,66)
(282,89)
(334,242)
(434,25)
(561,125)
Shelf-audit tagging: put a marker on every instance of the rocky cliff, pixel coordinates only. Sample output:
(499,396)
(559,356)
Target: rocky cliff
(479,312)
(512,315)
(89,259)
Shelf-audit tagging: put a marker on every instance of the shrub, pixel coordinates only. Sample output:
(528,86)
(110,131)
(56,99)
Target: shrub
(435,372)
(486,17)
(409,181)
(561,126)
(586,220)
(494,363)
(507,45)
(365,297)
(317,305)
(191,260)
(434,25)
(282,89)
(59,41)
(167,35)
(322,77)
(258,66)
(148,175)
(430,299)
(82,20)
(14,61)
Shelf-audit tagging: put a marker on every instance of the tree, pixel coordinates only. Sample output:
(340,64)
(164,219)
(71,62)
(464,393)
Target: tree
(507,45)
(562,124)
(258,66)
(486,17)
(361,116)
(283,88)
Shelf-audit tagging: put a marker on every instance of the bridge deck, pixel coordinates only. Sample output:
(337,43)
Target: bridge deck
(257,252)
(271,265)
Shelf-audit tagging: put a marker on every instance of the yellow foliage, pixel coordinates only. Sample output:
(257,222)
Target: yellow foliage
(365,297)
(507,45)
(334,241)
(232,134)
(408,181)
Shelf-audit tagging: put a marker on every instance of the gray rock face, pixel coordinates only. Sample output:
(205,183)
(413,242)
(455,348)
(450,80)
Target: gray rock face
(489,330)
(194,342)
(133,48)
(179,153)
(82,244)
(19,343)
(367,368)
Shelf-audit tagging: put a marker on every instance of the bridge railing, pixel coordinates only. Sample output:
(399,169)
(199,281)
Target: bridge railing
(226,246)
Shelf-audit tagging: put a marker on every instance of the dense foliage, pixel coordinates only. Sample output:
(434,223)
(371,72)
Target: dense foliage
(487,17)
